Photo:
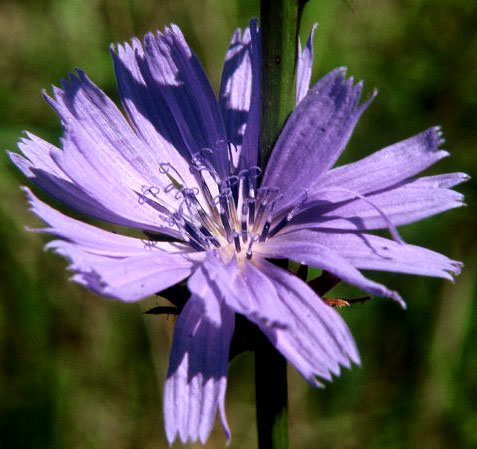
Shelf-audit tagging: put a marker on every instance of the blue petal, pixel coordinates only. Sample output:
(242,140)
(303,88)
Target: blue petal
(316,340)
(114,265)
(249,153)
(371,252)
(197,377)
(240,95)
(314,135)
(388,166)
(39,165)
(405,203)
(309,252)
(174,76)
(150,117)
(311,335)
(246,290)
(304,66)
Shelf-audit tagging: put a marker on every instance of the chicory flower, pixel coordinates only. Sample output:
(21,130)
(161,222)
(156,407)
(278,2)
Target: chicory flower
(183,168)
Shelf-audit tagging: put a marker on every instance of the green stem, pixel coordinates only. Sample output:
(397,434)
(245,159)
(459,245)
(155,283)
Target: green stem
(279,27)
(279,23)
(271,396)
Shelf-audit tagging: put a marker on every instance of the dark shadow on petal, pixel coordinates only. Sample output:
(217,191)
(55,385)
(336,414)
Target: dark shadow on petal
(149,102)
(234,119)
(206,344)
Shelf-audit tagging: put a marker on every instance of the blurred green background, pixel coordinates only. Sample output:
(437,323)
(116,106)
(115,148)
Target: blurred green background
(79,371)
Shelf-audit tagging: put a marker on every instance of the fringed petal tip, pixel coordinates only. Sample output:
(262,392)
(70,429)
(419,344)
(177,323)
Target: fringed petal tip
(46,96)
(225,426)
(332,371)
(74,76)
(119,48)
(26,135)
(437,135)
(253,23)
(318,381)
(32,204)
(397,297)
(341,69)
(31,199)
(37,231)
(201,438)
(453,270)
(374,94)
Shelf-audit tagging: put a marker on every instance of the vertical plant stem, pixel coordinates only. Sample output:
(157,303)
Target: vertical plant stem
(279,23)
(279,27)
(271,396)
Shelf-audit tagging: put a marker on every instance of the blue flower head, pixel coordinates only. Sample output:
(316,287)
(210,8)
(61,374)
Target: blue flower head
(183,168)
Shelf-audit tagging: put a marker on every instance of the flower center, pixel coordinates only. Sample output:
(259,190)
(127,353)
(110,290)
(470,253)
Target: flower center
(231,214)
